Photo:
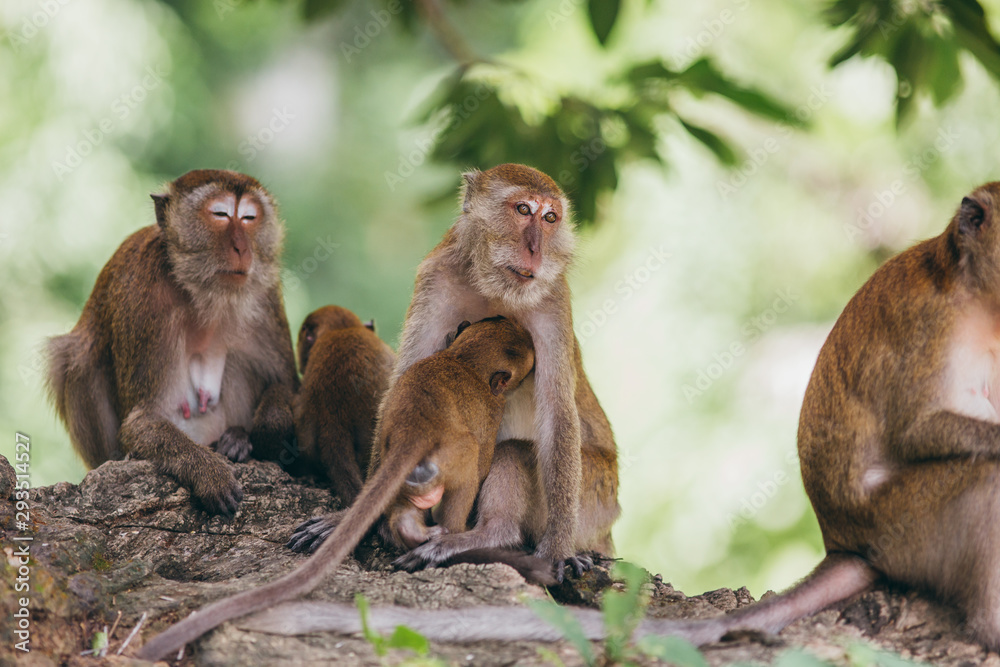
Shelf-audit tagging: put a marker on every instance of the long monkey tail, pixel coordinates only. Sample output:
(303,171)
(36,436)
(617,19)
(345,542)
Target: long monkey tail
(374,498)
(838,577)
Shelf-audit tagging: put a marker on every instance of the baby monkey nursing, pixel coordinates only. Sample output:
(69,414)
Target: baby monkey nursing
(438,431)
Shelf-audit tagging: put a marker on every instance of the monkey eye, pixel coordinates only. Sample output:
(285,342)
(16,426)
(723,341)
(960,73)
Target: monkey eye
(249,217)
(220,214)
(550,217)
(523,209)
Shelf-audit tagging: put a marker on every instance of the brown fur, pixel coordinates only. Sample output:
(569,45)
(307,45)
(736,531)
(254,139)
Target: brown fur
(345,371)
(899,442)
(166,295)
(446,410)
(471,275)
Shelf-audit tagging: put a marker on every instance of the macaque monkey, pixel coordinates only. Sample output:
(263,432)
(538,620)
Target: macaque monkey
(436,439)
(183,346)
(345,370)
(507,254)
(899,443)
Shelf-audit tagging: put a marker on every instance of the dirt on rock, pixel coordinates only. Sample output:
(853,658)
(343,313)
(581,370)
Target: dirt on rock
(127,544)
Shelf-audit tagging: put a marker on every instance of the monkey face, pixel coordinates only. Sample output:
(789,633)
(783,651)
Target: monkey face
(517,227)
(222,232)
(318,322)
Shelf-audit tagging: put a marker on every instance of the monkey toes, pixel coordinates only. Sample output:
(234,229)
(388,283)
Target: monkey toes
(234,444)
(313,532)
(217,489)
(431,553)
(579,564)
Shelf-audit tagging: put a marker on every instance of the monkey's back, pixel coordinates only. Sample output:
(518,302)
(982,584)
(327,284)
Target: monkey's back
(347,374)
(863,394)
(436,397)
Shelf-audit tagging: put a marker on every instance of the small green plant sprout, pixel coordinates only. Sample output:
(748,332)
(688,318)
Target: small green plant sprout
(863,655)
(623,610)
(401,638)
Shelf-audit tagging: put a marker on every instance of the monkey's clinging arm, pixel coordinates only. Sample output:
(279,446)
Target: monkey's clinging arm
(557,423)
(147,435)
(273,427)
(945,434)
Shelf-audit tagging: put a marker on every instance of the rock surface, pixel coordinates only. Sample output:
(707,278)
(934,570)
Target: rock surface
(128,542)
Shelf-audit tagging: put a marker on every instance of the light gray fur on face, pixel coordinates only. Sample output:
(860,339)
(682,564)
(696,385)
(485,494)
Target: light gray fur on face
(195,258)
(489,235)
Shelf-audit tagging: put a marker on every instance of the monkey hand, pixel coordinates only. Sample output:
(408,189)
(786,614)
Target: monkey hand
(313,532)
(234,444)
(578,563)
(434,551)
(216,488)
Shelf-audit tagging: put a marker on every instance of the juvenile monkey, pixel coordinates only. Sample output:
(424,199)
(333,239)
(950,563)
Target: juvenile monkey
(437,434)
(345,371)
(899,443)
(507,254)
(183,344)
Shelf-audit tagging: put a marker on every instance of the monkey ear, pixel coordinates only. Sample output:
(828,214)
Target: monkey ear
(471,179)
(370,325)
(971,216)
(498,381)
(160,202)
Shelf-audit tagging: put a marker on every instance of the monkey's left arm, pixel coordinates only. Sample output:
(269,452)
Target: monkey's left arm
(273,430)
(557,423)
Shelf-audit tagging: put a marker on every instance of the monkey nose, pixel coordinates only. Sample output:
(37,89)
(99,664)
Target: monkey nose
(423,473)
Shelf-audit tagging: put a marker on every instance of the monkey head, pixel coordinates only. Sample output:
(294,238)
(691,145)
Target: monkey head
(516,228)
(321,320)
(501,348)
(975,233)
(222,232)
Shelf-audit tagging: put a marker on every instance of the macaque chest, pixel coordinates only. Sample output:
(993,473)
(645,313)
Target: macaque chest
(195,400)
(972,375)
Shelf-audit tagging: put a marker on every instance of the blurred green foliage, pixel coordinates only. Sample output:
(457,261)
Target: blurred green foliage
(714,157)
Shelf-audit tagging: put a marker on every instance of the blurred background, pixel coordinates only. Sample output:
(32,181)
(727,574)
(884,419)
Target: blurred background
(739,168)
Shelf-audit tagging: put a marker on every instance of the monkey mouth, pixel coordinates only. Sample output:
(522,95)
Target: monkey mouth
(524,274)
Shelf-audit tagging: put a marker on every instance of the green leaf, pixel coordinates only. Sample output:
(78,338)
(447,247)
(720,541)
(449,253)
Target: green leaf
(564,621)
(702,77)
(623,610)
(100,642)
(375,639)
(603,14)
(867,656)
(404,637)
(797,658)
(712,142)
(678,652)
(313,10)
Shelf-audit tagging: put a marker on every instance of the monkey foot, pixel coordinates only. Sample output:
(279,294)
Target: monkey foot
(313,532)
(578,564)
(218,490)
(234,444)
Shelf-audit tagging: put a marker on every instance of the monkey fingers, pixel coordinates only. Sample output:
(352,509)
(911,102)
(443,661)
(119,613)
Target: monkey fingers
(217,489)
(234,444)
(579,564)
(313,532)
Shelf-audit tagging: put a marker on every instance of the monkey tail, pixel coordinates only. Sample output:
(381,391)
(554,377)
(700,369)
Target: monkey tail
(837,577)
(374,498)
